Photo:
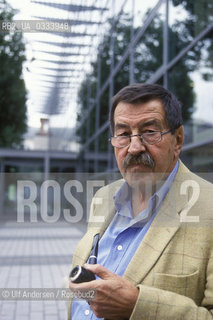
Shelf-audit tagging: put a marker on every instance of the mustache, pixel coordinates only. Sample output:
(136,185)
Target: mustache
(144,158)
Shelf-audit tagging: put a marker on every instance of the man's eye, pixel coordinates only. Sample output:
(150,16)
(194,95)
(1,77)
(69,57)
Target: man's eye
(123,134)
(149,131)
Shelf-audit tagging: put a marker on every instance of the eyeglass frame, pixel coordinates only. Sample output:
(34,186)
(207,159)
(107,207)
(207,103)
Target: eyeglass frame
(140,137)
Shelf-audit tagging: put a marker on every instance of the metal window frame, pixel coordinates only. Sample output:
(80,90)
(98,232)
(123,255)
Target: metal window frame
(162,71)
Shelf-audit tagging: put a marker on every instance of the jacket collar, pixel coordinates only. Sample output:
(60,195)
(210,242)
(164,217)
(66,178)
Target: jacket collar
(165,225)
(160,233)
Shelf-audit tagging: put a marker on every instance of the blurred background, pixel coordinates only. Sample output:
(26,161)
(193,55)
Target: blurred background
(56,84)
(56,87)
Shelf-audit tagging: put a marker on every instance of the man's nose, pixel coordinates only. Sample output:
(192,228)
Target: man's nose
(136,146)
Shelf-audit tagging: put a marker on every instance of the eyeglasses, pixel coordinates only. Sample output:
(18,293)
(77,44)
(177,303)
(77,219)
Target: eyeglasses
(146,138)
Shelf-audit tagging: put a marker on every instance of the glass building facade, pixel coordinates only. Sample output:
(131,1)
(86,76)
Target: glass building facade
(168,42)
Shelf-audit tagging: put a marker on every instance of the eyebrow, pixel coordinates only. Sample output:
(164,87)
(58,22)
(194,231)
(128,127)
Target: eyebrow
(147,123)
(152,122)
(121,126)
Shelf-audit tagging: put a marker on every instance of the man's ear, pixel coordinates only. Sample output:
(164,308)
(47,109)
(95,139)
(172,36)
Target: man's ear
(179,137)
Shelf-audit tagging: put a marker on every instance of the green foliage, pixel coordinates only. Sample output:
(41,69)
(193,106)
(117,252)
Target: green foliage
(200,12)
(199,16)
(88,88)
(12,86)
(148,57)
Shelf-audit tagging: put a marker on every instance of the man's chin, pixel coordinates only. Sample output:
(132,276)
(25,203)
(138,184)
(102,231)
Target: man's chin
(137,173)
(138,169)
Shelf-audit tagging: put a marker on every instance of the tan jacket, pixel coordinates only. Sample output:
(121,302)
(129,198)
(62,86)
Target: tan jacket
(173,265)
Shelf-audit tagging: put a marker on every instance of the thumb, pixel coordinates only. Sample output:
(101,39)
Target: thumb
(100,271)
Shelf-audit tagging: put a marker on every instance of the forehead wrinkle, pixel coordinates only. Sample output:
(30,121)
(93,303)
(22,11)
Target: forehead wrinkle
(146,123)
(121,125)
(134,117)
(151,122)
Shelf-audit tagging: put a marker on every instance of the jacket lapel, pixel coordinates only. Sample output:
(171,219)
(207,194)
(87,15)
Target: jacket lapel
(100,218)
(160,233)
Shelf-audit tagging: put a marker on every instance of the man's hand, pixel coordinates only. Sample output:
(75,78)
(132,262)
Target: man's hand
(115,296)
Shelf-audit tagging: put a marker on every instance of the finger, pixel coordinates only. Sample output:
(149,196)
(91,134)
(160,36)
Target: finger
(83,285)
(100,271)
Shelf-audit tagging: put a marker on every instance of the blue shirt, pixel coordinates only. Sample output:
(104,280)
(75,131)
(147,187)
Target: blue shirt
(123,236)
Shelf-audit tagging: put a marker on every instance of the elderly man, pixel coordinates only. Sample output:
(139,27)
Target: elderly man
(155,257)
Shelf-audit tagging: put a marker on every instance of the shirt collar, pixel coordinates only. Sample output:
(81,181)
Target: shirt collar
(163,190)
(122,198)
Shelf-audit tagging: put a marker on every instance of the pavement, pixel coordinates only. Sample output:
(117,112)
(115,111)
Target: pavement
(35,255)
